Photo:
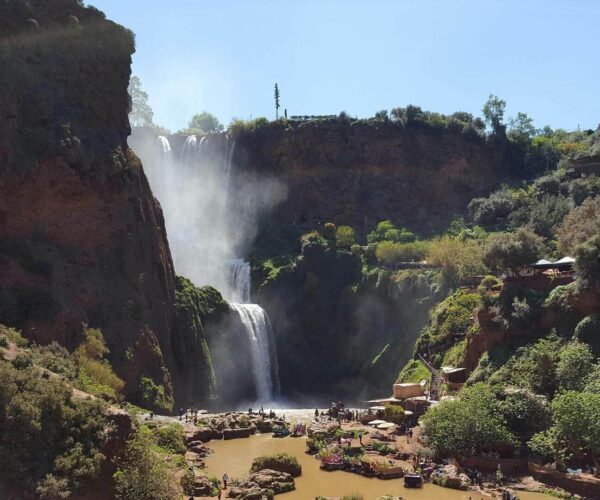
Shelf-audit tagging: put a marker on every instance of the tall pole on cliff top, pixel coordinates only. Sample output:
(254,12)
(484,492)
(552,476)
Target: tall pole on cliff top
(276,102)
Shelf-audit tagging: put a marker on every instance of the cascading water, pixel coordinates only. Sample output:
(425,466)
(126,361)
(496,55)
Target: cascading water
(258,329)
(239,279)
(192,184)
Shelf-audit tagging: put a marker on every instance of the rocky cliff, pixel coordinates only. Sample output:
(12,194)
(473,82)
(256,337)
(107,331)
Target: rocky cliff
(359,173)
(82,239)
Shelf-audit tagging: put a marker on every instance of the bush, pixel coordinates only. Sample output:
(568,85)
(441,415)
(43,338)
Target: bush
(413,372)
(3,340)
(469,425)
(587,258)
(387,231)
(55,358)
(13,336)
(95,373)
(574,364)
(509,251)
(458,258)
(281,462)
(344,237)
(142,474)
(389,252)
(22,360)
(491,210)
(50,442)
(579,225)
(153,395)
(394,413)
(171,437)
(588,331)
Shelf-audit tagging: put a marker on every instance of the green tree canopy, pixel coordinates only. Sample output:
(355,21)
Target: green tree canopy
(206,122)
(521,128)
(509,251)
(493,112)
(472,424)
(141,113)
(575,430)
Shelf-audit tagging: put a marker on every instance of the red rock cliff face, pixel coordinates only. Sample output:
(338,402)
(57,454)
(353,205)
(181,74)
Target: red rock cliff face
(82,239)
(361,173)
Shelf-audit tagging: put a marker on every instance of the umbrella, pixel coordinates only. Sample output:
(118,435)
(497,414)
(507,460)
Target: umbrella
(377,422)
(386,425)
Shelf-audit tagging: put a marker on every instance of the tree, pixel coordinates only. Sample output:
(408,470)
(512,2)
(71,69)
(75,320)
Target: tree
(575,430)
(526,413)
(574,364)
(387,231)
(457,258)
(493,112)
(469,425)
(141,113)
(142,474)
(509,251)
(344,237)
(521,128)
(587,260)
(206,122)
(579,225)
(277,102)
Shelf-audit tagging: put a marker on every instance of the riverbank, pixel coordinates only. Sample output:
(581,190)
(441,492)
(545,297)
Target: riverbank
(217,455)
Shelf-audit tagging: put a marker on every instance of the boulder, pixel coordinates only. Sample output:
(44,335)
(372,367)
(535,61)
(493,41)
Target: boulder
(203,486)
(261,485)
(450,476)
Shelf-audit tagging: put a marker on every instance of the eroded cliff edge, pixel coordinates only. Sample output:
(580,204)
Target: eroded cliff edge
(82,239)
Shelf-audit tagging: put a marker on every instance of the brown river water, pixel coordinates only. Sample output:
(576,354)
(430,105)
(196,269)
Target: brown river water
(235,458)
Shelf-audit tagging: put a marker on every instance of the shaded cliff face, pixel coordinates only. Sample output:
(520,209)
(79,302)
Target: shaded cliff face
(82,239)
(341,334)
(359,174)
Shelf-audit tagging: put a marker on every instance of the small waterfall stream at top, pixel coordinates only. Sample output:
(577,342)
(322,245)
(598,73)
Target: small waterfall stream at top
(191,179)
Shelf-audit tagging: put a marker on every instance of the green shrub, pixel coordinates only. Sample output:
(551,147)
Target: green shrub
(50,442)
(154,395)
(14,336)
(142,473)
(390,252)
(455,355)
(22,360)
(3,340)
(55,358)
(413,372)
(171,437)
(588,331)
(281,462)
(394,413)
(95,373)
(344,237)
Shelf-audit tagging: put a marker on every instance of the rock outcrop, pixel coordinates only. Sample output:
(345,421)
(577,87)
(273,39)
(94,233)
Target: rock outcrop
(262,485)
(82,239)
(359,174)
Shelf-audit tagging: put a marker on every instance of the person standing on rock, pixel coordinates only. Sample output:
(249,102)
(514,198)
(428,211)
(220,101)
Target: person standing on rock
(225,480)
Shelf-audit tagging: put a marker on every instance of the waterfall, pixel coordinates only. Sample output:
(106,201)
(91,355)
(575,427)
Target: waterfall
(259,333)
(208,220)
(163,144)
(239,281)
(258,329)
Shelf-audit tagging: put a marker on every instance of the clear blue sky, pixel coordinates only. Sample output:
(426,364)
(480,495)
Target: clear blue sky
(364,55)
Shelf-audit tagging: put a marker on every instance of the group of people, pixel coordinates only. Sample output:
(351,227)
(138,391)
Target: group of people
(263,413)
(189,415)
(339,412)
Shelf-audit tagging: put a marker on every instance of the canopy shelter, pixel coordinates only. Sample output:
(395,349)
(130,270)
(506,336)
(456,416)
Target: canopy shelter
(564,263)
(386,425)
(377,408)
(377,422)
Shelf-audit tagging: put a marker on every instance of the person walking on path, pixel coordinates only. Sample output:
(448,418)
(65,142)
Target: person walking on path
(225,480)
